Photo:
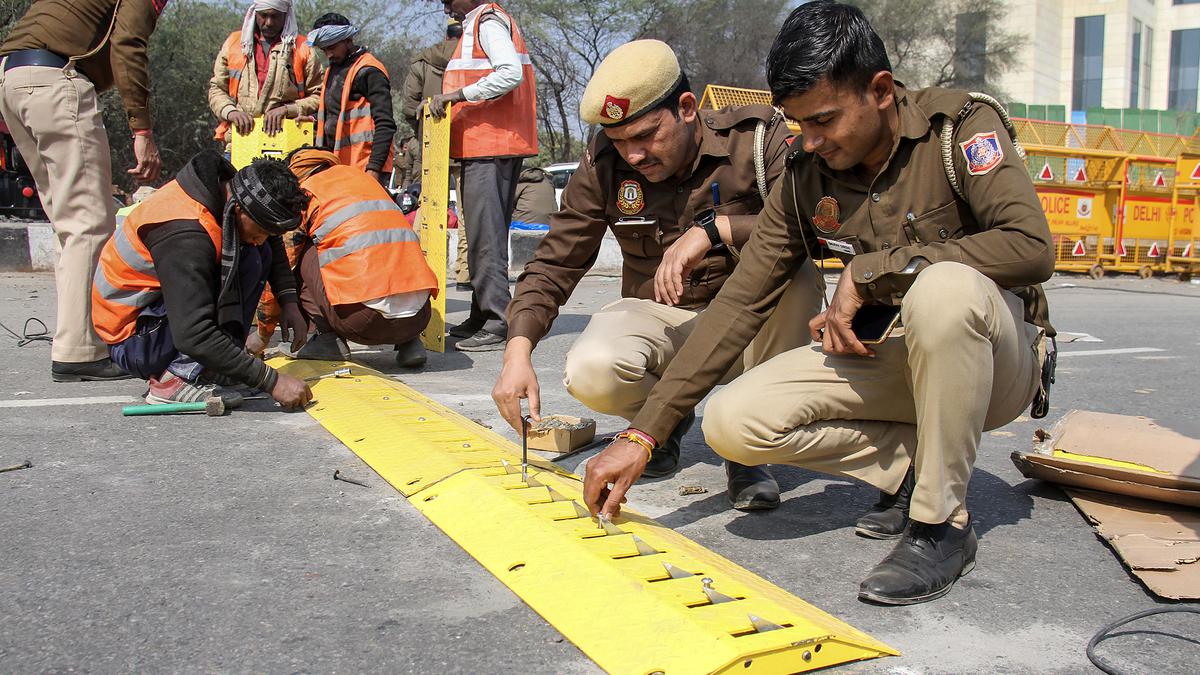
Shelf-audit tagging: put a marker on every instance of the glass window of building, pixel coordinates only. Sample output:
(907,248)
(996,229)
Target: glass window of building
(1184,76)
(1135,67)
(1089,62)
(1148,39)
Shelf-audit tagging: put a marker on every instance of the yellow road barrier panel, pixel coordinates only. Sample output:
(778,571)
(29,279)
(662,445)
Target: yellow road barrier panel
(247,148)
(635,596)
(435,200)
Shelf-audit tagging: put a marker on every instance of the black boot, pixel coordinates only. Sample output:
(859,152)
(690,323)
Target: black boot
(923,566)
(751,488)
(102,370)
(411,354)
(665,458)
(888,518)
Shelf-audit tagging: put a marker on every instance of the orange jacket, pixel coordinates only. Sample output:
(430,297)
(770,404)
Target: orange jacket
(236,61)
(502,127)
(125,282)
(355,127)
(366,247)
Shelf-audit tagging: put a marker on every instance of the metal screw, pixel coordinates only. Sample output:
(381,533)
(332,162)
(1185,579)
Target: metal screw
(337,475)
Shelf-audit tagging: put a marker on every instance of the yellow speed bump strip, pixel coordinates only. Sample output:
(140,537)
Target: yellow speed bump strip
(635,596)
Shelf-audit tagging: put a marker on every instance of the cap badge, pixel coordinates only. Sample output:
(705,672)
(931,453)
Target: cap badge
(630,199)
(825,218)
(615,109)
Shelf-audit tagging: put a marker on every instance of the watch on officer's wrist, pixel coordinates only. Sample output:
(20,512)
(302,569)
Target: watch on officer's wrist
(707,219)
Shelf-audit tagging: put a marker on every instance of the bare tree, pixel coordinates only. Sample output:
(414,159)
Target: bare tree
(959,43)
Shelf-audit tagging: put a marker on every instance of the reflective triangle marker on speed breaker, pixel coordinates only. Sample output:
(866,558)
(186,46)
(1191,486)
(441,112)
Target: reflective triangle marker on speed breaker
(435,200)
(635,596)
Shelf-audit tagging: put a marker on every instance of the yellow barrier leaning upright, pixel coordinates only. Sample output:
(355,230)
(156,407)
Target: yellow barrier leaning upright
(245,149)
(435,200)
(635,596)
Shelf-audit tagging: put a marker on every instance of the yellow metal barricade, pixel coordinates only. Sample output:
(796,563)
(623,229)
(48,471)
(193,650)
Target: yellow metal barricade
(435,200)
(247,148)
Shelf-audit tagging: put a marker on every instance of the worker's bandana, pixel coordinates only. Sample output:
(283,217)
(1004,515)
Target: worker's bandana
(326,36)
(262,207)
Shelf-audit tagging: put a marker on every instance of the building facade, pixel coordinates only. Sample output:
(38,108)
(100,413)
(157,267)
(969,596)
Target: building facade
(1106,53)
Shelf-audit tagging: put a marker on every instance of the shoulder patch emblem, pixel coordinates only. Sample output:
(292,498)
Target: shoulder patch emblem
(630,199)
(982,152)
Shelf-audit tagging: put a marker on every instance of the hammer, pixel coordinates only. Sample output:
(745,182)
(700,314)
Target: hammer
(213,406)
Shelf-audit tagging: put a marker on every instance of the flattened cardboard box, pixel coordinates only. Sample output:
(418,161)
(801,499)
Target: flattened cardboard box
(1114,464)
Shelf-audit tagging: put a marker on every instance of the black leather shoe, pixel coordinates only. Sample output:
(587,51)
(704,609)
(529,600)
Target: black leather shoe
(88,371)
(923,566)
(664,460)
(888,518)
(751,488)
(324,347)
(411,354)
(467,328)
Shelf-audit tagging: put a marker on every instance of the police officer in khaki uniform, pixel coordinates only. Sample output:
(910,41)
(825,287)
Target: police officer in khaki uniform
(677,187)
(961,265)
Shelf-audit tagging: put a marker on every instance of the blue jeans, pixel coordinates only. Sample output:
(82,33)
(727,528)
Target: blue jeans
(151,349)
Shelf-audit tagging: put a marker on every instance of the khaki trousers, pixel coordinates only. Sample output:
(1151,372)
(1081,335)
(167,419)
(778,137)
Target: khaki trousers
(629,343)
(54,118)
(462,271)
(967,362)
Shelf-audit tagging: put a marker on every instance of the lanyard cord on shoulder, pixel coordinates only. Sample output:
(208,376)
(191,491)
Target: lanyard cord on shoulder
(112,24)
(804,238)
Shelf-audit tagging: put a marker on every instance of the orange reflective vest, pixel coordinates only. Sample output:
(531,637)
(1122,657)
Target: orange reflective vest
(502,127)
(355,133)
(235,61)
(125,282)
(367,249)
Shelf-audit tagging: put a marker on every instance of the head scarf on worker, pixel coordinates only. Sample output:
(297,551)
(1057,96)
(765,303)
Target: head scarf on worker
(289,23)
(258,203)
(308,161)
(332,33)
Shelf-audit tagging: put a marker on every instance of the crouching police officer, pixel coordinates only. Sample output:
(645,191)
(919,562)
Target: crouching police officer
(177,285)
(958,251)
(680,189)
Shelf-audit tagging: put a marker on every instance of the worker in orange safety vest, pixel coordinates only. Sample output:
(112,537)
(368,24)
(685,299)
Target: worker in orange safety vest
(355,118)
(490,82)
(362,275)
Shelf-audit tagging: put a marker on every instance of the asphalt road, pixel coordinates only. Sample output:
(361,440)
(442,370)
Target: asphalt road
(200,544)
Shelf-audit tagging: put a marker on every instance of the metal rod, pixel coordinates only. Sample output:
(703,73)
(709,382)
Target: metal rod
(525,420)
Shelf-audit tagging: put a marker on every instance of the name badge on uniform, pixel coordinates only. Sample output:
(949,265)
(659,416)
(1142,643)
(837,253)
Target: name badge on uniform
(838,246)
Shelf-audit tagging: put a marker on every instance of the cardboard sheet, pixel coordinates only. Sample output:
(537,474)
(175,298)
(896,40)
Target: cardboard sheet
(1159,543)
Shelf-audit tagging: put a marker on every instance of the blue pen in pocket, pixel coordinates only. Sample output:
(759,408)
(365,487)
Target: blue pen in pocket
(716,190)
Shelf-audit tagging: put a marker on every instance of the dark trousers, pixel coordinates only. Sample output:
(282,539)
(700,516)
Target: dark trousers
(490,191)
(354,322)
(151,349)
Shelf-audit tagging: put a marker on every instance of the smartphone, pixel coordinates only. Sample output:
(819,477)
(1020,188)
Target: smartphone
(873,323)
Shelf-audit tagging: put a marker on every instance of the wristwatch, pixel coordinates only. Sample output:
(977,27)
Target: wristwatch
(707,219)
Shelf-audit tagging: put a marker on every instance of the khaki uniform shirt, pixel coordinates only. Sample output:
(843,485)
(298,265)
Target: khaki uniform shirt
(535,197)
(257,98)
(605,193)
(424,79)
(903,220)
(75,27)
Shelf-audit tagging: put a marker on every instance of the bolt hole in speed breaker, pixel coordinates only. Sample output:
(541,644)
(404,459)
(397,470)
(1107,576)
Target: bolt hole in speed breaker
(635,596)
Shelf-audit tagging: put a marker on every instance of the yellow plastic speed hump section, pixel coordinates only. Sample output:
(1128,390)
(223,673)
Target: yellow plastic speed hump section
(247,148)
(635,596)
(431,228)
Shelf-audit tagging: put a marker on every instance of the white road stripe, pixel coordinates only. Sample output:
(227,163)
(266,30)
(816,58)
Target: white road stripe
(1109,352)
(43,402)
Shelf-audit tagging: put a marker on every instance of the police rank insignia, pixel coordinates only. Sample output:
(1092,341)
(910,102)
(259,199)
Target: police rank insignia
(982,152)
(825,218)
(615,109)
(630,199)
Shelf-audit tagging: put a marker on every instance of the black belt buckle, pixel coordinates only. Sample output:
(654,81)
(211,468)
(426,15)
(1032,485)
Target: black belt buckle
(34,57)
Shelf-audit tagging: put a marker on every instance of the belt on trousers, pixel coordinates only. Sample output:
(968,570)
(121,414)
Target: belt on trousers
(34,57)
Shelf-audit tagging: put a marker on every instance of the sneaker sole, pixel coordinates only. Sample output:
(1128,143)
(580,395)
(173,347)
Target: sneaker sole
(480,348)
(60,377)
(884,600)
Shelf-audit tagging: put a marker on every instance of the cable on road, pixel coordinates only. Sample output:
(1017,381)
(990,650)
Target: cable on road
(1106,633)
(26,337)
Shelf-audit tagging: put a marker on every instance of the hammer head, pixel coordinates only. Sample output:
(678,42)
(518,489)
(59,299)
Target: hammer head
(214,406)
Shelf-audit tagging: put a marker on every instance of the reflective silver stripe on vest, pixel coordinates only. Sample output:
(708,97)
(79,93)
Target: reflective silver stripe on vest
(349,211)
(130,298)
(366,240)
(130,255)
(354,139)
(235,73)
(364,111)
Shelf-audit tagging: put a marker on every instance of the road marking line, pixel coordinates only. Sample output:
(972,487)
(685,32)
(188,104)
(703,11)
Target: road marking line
(1110,352)
(44,402)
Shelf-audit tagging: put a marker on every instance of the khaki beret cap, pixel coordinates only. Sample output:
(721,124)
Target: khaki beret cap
(630,81)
